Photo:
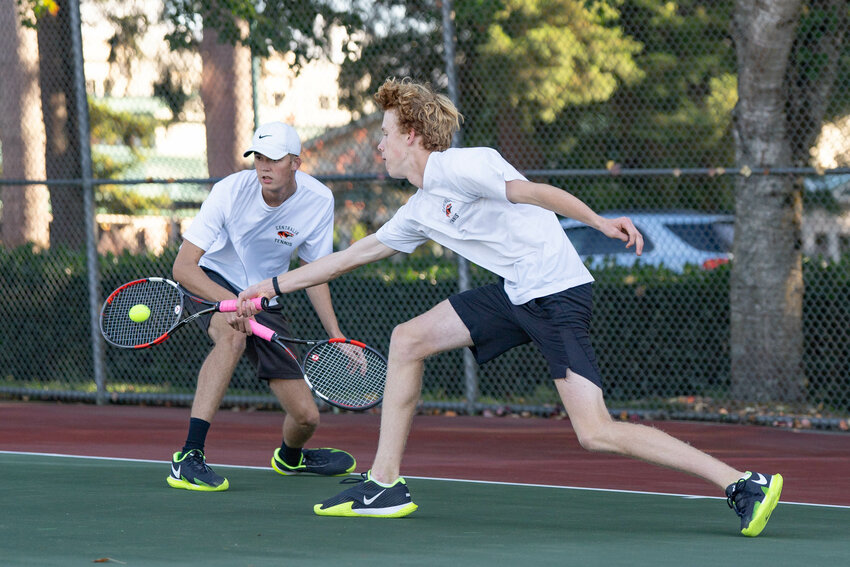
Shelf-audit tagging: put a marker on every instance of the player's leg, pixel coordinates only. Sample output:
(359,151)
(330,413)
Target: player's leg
(597,431)
(438,330)
(286,381)
(302,415)
(188,466)
(559,324)
(384,493)
(753,496)
(218,367)
(301,421)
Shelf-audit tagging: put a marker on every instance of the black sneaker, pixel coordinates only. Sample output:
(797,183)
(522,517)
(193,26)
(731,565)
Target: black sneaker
(190,471)
(753,498)
(368,499)
(326,462)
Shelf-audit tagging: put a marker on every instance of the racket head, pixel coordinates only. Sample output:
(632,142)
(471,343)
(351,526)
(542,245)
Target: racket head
(165,301)
(346,374)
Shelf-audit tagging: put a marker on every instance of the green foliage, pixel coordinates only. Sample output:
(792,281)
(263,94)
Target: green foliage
(679,116)
(574,85)
(657,334)
(49,287)
(134,132)
(826,336)
(819,63)
(300,27)
(119,200)
(112,127)
(557,53)
(517,60)
(31,10)
(675,327)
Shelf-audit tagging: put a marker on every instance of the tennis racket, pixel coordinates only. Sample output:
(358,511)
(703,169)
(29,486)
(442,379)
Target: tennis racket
(344,373)
(145,312)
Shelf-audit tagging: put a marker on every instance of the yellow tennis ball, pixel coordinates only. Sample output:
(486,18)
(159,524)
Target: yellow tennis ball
(140,313)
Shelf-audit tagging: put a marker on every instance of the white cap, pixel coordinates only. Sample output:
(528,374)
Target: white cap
(274,140)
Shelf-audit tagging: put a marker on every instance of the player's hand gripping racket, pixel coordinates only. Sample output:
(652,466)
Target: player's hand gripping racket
(145,312)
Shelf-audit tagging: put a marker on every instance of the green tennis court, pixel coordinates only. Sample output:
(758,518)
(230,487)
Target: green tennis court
(74,511)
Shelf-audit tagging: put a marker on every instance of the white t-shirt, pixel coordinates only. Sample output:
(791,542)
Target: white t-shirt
(463,205)
(246,241)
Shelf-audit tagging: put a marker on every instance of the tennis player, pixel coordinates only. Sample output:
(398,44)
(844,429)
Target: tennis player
(472,201)
(247,230)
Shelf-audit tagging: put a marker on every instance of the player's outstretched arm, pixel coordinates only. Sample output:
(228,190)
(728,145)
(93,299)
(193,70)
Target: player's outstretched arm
(323,270)
(568,205)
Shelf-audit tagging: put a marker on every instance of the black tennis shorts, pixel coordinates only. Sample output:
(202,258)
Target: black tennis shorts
(270,360)
(558,324)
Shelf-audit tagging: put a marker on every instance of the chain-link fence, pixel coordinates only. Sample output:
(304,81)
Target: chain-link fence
(116,118)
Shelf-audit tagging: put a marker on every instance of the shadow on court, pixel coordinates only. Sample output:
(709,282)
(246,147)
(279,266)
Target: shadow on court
(75,511)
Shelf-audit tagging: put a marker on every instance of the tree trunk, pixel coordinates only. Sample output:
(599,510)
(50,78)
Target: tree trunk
(816,53)
(766,296)
(226,94)
(26,208)
(62,154)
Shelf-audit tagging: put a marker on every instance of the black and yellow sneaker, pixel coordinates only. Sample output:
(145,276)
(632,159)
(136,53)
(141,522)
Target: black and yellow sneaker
(369,499)
(753,498)
(190,471)
(326,462)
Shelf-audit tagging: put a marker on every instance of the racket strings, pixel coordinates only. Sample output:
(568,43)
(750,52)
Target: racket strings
(164,302)
(345,374)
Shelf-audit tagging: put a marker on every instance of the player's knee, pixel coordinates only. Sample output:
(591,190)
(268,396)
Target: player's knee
(406,342)
(307,419)
(231,341)
(595,440)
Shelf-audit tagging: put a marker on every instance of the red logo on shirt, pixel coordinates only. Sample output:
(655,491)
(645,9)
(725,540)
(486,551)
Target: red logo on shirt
(447,210)
(285,234)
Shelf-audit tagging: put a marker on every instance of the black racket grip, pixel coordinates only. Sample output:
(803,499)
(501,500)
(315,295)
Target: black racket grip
(266,306)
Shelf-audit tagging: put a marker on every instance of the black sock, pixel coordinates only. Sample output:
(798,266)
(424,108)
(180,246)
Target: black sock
(291,457)
(197,434)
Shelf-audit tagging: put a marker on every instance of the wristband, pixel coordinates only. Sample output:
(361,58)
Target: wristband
(276,287)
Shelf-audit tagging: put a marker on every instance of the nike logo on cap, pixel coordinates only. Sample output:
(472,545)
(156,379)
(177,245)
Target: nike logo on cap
(367,500)
(264,136)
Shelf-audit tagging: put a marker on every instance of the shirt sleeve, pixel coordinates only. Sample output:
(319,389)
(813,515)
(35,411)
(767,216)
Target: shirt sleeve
(209,222)
(399,233)
(320,242)
(482,175)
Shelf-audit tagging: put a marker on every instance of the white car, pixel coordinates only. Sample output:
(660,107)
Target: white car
(672,239)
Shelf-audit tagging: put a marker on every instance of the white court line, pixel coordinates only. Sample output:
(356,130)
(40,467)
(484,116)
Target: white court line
(494,482)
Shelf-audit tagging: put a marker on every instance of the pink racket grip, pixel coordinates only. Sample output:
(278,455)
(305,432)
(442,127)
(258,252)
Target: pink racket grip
(229,305)
(262,331)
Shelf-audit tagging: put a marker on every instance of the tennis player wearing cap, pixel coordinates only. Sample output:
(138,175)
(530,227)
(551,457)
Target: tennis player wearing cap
(247,231)
(474,202)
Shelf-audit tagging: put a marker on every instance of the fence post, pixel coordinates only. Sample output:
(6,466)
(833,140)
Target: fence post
(92,271)
(470,368)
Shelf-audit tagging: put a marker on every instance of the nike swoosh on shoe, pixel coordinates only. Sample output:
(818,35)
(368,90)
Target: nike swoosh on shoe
(367,500)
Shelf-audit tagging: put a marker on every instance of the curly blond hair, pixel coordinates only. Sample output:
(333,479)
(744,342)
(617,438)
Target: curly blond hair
(429,114)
